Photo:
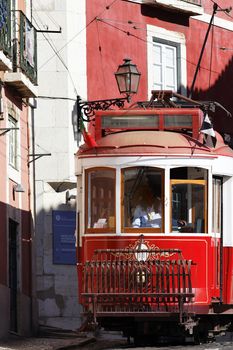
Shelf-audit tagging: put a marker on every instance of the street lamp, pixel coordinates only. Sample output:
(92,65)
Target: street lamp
(127,76)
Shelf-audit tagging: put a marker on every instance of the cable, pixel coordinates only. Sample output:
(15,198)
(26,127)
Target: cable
(47,14)
(226,10)
(133,25)
(101,57)
(69,41)
(123,31)
(57,98)
(59,57)
(148,42)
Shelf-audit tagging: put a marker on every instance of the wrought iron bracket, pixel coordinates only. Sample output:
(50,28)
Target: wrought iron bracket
(3,131)
(86,109)
(37,156)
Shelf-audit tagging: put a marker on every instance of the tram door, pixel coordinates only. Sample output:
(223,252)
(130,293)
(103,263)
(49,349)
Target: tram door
(13,278)
(217,227)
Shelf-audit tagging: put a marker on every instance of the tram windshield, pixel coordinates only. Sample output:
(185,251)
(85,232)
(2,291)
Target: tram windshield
(143,199)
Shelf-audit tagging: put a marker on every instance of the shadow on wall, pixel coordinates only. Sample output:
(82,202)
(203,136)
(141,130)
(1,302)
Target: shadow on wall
(16,250)
(163,15)
(57,284)
(222,92)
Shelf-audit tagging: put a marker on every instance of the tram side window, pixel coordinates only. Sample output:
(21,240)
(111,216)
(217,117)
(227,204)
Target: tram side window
(189,200)
(217,202)
(142,199)
(100,200)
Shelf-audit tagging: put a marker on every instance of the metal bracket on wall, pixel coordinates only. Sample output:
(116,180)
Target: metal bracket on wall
(37,156)
(3,131)
(49,31)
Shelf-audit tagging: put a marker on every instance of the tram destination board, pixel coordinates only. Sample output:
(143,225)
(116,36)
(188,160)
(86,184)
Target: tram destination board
(64,237)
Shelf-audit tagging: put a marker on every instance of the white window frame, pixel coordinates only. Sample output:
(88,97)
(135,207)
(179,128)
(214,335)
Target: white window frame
(162,34)
(13,142)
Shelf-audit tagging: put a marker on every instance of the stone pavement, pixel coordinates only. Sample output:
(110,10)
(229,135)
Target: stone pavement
(46,343)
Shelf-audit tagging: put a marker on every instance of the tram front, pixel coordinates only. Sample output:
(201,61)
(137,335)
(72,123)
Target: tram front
(150,219)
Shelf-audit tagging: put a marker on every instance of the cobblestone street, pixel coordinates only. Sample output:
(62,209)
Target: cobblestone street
(105,340)
(45,343)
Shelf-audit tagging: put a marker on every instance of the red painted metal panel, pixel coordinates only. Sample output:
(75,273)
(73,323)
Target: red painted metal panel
(198,249)
(228,275)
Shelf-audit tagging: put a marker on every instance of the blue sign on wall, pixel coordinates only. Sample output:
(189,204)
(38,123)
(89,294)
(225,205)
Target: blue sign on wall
(64,251)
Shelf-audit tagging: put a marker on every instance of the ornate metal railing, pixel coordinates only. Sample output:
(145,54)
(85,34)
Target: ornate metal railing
(129,281)
(194,2)
(5,27)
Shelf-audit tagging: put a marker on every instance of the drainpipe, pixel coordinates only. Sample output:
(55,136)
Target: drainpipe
(34,312)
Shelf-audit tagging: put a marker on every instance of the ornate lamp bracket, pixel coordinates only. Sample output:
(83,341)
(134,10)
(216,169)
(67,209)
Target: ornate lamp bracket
(86,109)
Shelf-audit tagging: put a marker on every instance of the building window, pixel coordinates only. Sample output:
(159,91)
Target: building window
(142,204)
(100,200)
(13,142)
(166,65)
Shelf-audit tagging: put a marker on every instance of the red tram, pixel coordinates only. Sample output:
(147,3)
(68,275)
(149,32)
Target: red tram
(155,223)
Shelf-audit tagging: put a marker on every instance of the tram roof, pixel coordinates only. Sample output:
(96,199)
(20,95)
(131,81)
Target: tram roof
(153,142)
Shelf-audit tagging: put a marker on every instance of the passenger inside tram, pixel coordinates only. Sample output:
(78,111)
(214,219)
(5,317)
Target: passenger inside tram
(147,212)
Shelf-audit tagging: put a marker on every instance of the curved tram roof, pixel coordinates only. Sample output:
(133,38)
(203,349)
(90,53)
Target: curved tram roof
(155,143)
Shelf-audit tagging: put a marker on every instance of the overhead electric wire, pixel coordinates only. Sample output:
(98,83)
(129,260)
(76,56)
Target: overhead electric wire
(148,42)
(47,14)
(222,9)
(134,25)
(101,57)
(87,25)
(60,58)
(97,18)
(57,98)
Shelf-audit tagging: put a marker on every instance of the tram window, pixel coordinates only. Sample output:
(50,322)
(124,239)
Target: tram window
(189,173)
(100,200)
(142,195)
(188,206)
(217,201)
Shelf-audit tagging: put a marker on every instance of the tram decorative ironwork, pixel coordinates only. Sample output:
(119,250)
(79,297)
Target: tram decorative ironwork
(116,281)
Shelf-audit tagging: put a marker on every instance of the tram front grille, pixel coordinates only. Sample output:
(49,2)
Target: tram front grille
(142,280)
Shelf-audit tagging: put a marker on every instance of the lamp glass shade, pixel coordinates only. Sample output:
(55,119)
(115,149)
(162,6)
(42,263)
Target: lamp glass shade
(127,77)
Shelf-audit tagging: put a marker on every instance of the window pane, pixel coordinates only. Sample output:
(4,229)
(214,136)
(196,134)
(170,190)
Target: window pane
(178,121)
(142,197)
(132,121)
(165,66)
(216,219)
(101,199)
(12,142)
(158,78)
(191,173)
(188,207)
(170,56)
(158,53)
(157,67)
(170,67)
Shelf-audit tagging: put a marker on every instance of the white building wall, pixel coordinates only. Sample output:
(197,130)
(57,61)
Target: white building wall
(61,77)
